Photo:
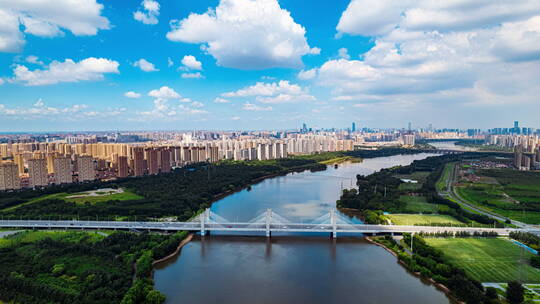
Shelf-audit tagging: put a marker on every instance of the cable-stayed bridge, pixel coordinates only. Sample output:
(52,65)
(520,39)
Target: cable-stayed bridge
(267,222)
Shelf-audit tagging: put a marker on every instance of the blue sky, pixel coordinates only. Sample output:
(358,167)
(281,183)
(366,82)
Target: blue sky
(267,64)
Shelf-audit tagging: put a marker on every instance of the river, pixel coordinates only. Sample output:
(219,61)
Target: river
(451,145)
(292,269)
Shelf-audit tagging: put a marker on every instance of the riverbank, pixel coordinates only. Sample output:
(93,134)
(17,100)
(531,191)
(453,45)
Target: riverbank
(188,239)
(441,287)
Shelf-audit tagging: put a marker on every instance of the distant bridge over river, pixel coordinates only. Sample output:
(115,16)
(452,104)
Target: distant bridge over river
(265,223)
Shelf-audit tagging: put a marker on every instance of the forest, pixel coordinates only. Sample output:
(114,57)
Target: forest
(82,267)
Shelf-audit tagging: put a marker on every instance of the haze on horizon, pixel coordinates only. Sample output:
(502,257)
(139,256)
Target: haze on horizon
(267,64)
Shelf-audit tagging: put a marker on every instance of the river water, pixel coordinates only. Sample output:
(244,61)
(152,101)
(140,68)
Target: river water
(451,145)
(292,268)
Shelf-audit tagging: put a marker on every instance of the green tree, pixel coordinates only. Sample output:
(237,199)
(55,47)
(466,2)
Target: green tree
(155,297)
(514,293)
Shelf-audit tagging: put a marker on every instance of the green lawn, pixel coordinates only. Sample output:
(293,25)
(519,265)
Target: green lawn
(418,204)
(491,200)
(422,219)
(487,259)
(124,196)
(442,182)
(419,176)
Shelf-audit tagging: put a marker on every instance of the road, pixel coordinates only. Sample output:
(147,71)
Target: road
(451,193)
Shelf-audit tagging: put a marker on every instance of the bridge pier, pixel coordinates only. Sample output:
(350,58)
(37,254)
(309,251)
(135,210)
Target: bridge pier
(268,222)
(333,222)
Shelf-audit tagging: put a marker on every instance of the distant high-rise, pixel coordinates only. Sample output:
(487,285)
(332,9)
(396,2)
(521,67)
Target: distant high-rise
(123,170)
(138,161)
(151,156)
(304,127)
(62,168)
(37,171)
(86,167)
(9,176)
(410,126)
(353,127)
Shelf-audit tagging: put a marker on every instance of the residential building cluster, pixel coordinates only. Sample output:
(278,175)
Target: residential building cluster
(39,164)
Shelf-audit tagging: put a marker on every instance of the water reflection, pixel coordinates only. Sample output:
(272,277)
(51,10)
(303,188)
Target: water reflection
(292,269)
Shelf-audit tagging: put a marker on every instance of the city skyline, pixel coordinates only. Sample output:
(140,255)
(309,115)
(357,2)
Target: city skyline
(155,65)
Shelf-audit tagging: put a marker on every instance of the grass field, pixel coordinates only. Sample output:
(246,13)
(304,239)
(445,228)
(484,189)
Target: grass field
(443,181)
(419,176)
(422,219)
(418,204)
(487,259)
(491,199)
(124,196)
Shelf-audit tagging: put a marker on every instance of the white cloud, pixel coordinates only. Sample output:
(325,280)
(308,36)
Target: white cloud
(33,59)
(191,62)
(459,51)
(1,81)
(40,109)
(344,53)
(42,19)
(164,93)
(221,100)
(89,69)
(276,92)
(145,65)
(197,104)
(192,75)
(149,12)
(307,75)
(170,63)
(376,18)
(246,34)
(132,94)
(252,107)
(235,118)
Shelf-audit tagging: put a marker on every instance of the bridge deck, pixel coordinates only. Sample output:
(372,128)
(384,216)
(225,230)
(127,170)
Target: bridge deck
(242,227)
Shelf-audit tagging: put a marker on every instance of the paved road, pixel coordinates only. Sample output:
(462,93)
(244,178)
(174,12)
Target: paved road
(453,194)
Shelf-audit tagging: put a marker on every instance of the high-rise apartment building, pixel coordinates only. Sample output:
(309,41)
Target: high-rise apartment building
(9,176)
(138,161)
(151,156)
(63,172)
(123,169)
(37,172)
(86,167)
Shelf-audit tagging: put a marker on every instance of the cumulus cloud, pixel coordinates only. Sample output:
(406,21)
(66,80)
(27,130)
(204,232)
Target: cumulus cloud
(148,13)
(246,34)
(253,107)
(89,69)
(452,51)
(276,92)
(307,75)
(165,105)
(33,59)
(164,93)
(145,65)
(191,62)
(40,18)
(132,94)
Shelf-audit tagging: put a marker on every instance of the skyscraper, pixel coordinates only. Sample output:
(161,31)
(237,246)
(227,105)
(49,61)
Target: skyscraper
(353,127)
(138,161)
